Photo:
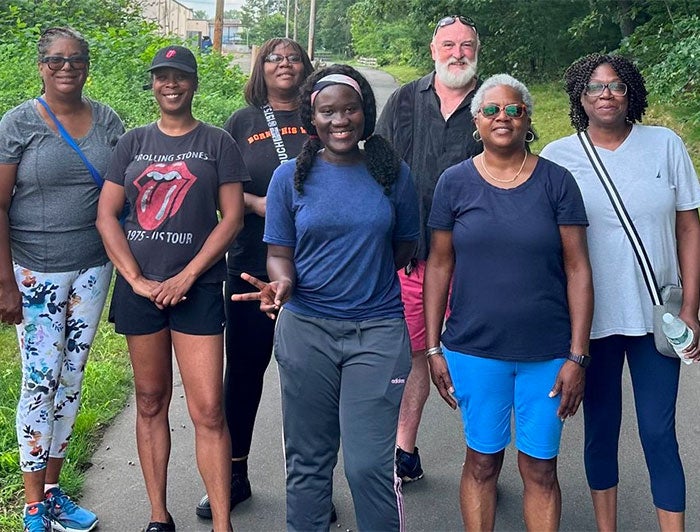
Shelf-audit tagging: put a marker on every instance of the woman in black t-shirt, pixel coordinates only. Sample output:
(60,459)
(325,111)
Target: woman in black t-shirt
(174,173)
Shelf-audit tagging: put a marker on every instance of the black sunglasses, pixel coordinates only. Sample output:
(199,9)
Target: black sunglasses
(449,20)
(56,62)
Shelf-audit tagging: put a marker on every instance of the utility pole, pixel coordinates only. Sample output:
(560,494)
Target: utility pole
(286,22)
(296,9)
(218,25)
(312,25)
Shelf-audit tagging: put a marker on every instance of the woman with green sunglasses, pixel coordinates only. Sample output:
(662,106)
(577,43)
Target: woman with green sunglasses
(508,233)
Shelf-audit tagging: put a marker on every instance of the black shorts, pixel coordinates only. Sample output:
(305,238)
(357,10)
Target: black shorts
(202,313)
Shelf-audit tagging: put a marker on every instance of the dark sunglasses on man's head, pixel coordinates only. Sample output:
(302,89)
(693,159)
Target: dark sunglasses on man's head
(513,110)
(616,87)
(56,62)
(278,58)
(448,21)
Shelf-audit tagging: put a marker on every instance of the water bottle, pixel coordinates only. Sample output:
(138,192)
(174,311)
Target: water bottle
(678,334)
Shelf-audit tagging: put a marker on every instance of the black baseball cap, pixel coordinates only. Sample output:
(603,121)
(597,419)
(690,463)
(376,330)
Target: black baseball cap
(177,57)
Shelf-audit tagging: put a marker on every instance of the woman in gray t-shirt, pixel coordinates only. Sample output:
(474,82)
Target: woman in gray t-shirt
(54,272)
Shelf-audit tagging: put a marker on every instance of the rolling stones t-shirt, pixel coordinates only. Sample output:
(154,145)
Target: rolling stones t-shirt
(172,184)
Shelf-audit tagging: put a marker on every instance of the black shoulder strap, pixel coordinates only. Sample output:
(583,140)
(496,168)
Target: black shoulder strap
(619,207)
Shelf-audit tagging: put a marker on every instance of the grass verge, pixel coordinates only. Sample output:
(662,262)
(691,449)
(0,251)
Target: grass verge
(106,387)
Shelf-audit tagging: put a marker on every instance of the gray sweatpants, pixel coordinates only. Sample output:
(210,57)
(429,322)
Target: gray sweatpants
(341,379)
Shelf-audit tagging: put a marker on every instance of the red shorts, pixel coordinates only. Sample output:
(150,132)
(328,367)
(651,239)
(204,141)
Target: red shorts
(412,295)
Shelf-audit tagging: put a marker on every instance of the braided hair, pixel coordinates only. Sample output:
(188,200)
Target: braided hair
(382,162)
(579,74)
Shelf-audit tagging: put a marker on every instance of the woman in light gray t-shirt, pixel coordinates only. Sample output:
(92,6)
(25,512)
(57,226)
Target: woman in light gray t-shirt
(54,272)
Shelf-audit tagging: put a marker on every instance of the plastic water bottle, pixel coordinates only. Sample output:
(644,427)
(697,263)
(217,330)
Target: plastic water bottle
(679,335)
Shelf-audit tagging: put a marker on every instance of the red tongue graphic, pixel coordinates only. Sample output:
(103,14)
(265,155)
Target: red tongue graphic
(162,189)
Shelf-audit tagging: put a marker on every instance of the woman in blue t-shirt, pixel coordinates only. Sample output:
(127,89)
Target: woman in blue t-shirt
(340,222)
(509,229)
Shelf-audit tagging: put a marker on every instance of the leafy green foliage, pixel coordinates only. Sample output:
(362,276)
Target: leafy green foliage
(668,52)
(121,49)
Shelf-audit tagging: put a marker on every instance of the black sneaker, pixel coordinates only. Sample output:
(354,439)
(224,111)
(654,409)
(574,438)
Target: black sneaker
(408,467)
(155,526)
(240,491)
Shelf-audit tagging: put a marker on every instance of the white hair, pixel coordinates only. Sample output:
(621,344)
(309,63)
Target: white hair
(499,80)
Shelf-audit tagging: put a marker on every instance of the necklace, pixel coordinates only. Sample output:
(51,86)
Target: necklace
(516,176)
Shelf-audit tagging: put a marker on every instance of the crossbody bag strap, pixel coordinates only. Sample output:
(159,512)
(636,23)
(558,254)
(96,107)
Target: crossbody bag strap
(619,208)
(277,140)
(71,142)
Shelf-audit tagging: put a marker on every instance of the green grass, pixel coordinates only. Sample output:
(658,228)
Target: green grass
(106,387)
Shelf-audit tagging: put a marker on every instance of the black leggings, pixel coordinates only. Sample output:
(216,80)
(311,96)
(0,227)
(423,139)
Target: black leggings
(249,335)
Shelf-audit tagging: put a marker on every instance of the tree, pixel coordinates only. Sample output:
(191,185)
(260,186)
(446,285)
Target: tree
(200,14)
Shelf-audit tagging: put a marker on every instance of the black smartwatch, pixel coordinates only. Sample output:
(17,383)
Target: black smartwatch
(581,360)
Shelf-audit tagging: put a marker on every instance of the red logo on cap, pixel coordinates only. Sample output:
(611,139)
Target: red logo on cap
(170,53)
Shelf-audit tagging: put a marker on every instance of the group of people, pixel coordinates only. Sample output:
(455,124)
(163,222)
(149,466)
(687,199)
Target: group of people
(503,248)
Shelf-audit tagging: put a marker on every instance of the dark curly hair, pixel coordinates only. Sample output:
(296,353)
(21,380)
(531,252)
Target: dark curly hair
(579,74)
(255,90)
(381,159)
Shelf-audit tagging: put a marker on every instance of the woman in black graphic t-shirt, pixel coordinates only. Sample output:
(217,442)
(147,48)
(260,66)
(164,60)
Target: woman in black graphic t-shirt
(175,173)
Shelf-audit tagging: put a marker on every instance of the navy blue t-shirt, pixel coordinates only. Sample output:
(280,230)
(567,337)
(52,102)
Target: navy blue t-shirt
(509,285)
(342,229)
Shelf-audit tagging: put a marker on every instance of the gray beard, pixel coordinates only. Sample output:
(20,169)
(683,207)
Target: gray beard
(455,80)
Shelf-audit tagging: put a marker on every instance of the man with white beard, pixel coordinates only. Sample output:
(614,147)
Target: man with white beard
(429,123)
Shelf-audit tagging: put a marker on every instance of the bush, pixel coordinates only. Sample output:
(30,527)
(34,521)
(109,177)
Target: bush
(120,56)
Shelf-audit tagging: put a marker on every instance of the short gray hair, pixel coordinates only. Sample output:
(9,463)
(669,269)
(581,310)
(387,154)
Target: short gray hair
(499,80)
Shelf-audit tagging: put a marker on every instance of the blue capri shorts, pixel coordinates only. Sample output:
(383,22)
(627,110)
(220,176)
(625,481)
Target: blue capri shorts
(488,390)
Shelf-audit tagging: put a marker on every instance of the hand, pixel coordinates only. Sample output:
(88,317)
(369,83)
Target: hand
(172,291)
(10,303)
(442,380)
(570,382)
(144,287)
(692,352)
(271,295)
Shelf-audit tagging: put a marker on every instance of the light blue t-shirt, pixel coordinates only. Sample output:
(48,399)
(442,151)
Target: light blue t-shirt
(655,177)
(342,229)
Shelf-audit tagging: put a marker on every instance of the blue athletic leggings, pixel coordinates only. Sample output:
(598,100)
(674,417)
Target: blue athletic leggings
(655,386)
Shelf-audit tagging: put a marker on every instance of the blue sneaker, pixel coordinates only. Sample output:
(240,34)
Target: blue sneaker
(65,515)
(408,467)
(36,519)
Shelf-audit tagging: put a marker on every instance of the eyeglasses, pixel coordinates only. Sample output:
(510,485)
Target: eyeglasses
(448,21)
(56,62)
(616,87)
(278,58)
(513,110)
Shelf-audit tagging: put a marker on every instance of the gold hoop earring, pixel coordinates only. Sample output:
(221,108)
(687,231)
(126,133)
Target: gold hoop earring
(476,135)
(529,136)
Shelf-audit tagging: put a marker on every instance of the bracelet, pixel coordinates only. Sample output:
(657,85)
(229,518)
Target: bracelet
(431,352)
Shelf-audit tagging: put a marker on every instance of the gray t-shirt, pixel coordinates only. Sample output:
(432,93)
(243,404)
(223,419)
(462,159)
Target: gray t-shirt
(655,177)
(54,204)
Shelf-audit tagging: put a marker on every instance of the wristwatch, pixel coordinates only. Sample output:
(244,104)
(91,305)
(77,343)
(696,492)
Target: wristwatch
(581,360)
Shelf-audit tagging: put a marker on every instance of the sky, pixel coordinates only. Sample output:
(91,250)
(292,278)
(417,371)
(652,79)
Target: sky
(210,5)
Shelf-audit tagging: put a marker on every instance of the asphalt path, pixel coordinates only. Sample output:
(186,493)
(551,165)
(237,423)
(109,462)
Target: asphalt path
(114,486)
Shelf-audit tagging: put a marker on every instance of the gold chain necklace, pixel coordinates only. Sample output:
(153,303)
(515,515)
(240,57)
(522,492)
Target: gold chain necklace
(517,174)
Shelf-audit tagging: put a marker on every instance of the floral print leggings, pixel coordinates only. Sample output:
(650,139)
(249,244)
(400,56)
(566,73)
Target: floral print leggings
(61,313)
